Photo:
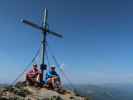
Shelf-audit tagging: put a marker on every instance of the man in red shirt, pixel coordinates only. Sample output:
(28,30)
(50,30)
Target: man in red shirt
(33,76)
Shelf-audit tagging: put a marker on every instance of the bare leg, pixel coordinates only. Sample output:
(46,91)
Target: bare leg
(53,82)
(38,78)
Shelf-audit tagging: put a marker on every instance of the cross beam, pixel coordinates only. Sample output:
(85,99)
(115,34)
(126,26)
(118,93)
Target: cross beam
(45,30)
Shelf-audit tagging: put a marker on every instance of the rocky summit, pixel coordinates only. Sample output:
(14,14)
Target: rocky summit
(36,93)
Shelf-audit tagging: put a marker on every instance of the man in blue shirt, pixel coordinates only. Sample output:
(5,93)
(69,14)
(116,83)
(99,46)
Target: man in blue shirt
(52,78)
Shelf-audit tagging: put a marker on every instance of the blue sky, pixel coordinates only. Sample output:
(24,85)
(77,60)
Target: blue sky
(97,45)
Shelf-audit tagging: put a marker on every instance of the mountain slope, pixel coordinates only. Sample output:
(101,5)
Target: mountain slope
(35,93)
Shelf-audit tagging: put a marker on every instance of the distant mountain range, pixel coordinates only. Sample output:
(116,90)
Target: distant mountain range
(106,91)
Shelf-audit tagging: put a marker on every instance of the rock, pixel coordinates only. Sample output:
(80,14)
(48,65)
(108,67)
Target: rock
(22,92)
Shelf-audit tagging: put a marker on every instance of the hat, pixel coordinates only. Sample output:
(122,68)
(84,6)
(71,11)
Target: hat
(35,65)
(52,67)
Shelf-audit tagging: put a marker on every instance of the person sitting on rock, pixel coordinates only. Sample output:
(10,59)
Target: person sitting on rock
(33,76)
(52,78)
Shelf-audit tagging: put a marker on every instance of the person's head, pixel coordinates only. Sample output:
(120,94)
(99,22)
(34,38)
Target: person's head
(52,68)
(35,66)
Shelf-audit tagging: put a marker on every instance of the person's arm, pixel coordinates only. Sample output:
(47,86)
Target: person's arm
(30,72)
(58,77)
(49,75)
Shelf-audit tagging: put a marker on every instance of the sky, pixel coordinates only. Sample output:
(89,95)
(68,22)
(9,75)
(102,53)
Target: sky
(96,48)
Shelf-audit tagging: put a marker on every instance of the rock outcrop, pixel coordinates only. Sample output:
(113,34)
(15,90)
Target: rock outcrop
(36,93)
